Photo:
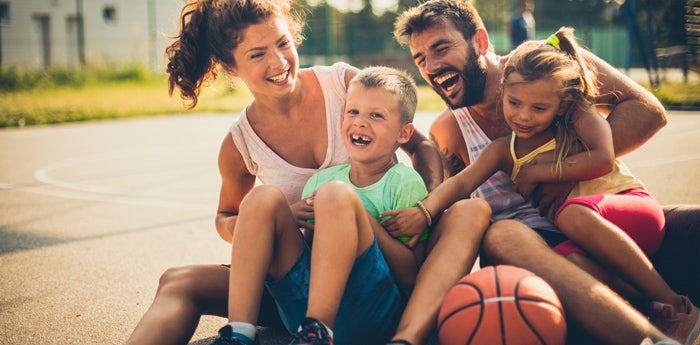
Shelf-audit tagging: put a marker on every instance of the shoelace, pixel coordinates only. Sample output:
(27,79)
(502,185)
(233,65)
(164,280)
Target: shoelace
(313,334)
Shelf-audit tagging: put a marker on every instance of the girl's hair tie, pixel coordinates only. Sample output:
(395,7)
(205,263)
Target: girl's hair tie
(553,41)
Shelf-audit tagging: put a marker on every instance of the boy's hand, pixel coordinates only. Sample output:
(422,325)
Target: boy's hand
(303,211)
(409,222)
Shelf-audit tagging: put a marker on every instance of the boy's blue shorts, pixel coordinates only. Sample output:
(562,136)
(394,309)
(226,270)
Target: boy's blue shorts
(369,311)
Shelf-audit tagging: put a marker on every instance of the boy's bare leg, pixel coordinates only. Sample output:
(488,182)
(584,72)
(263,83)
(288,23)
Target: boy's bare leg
(266,241)
(342,233)
(180,301)
(586,301)
(453,247)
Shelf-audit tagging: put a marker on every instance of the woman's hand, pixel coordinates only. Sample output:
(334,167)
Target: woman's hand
(408,222)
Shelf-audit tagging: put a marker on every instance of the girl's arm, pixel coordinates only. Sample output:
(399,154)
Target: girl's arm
(412,220)
(236,182)
(596,159)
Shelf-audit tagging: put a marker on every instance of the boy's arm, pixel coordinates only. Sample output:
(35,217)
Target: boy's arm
(401,259)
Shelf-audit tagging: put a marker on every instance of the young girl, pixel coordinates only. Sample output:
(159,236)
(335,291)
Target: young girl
(547,93)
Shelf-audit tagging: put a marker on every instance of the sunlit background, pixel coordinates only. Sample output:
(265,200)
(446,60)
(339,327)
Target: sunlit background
(75,33)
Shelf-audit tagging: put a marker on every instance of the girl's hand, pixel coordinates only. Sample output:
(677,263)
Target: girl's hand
(409,222)
(303,211)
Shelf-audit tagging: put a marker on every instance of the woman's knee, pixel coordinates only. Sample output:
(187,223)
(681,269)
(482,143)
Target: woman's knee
(263,198)
(179,281)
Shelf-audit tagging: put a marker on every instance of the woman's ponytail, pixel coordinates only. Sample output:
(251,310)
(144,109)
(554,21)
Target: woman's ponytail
(190,61)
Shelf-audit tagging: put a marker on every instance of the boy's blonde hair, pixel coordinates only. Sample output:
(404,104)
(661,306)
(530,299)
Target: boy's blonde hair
(558,59)
(398,82)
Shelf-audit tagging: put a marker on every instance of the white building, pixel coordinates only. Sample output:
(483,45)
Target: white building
(47,33)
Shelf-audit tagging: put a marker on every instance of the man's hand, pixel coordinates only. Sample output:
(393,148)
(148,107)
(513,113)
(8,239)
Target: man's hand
(548,197)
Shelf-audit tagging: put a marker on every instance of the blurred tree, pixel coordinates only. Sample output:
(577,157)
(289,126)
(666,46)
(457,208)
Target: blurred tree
(330,32)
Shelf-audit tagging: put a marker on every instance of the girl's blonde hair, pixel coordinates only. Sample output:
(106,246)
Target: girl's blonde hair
(210,30)
(558,59)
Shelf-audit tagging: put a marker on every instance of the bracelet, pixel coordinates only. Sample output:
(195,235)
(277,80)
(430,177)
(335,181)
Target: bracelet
(426,213)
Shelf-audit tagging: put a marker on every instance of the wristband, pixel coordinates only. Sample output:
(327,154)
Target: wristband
(426,213)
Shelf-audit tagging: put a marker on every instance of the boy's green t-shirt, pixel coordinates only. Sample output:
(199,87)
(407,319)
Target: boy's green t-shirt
(400,187)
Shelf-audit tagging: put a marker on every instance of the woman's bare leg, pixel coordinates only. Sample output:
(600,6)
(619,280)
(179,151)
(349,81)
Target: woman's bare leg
(179,303)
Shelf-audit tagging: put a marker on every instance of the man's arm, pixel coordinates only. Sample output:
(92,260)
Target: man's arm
(426,159)
(634,113)
(447,138)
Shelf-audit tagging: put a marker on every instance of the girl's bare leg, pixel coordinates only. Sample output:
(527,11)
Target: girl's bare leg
(610,246)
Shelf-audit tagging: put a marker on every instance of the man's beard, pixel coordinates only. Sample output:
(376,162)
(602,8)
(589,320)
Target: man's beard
(474,81)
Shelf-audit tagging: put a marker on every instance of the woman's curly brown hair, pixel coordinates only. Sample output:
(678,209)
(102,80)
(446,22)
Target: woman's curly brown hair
(210,30)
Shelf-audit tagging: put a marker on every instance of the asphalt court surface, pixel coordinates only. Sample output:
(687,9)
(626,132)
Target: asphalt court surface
(91,214)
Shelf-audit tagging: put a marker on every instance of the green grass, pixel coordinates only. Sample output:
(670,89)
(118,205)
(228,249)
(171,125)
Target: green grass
(678,94)
(59,96)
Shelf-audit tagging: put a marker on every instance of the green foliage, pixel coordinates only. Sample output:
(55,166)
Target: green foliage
(13,79)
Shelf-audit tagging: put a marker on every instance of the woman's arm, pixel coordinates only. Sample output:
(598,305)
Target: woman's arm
(236,182)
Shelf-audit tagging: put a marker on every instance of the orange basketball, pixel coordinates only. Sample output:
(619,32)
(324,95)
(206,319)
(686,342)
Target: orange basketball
(501,305)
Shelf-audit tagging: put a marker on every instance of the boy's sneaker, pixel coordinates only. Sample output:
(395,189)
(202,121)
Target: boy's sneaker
(311,332)
(225,337)
(683,326)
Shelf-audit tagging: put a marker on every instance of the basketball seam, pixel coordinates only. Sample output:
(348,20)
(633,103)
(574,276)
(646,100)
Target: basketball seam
(522,314)
(500,305)
(481,312)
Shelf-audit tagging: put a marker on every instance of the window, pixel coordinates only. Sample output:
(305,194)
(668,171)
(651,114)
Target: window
(109,14)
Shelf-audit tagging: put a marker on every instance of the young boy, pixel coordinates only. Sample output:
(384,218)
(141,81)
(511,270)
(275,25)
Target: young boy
(378,117)
(339,287)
